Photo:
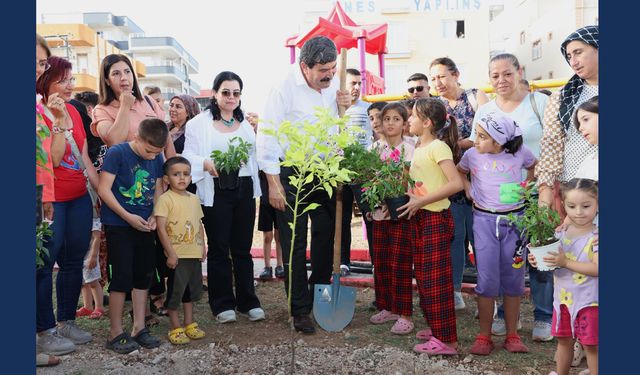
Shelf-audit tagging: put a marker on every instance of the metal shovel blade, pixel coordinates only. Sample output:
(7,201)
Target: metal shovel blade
(333,305)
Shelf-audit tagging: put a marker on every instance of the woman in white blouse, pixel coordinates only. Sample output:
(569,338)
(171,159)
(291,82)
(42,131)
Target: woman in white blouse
(229,215)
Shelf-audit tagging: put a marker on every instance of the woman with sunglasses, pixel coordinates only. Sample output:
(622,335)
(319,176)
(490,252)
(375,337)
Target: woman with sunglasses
(229,218)
(462,105)
(72,215)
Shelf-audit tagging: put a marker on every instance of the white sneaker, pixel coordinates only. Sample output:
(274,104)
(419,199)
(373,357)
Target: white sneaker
(499,326)
(256,314)
(459,301)
(541,331)
(70,330)
(227,316)
(52,343)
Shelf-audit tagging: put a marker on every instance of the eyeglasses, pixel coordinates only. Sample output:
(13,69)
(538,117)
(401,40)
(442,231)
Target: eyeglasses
(417,88)
(43,64)
(70,80)
(228,93)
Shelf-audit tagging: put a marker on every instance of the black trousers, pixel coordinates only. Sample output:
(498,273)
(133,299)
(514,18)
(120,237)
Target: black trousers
(322,231)
(229,227)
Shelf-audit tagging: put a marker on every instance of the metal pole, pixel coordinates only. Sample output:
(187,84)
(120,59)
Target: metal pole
(363,67)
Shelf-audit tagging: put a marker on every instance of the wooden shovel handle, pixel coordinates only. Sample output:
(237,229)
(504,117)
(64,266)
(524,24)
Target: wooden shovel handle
(343,77)
(337,238)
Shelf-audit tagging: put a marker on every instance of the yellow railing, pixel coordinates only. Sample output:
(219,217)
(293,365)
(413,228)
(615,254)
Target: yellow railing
(534,85)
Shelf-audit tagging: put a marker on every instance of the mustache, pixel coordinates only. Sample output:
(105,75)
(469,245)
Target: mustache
(327,79)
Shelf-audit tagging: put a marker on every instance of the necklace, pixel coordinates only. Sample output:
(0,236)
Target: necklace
(227,123)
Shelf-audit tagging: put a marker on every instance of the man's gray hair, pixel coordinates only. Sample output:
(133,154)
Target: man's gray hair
(318,50)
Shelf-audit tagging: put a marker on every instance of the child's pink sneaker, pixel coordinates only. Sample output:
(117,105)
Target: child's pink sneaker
(402,327)
(383,317)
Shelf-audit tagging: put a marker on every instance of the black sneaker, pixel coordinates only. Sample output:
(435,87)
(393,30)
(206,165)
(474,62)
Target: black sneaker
(267,274)
(280,272)
(122,344)
(146,340)
(303,323)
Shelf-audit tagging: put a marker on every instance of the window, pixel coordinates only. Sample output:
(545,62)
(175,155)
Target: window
(452,29)
(551,74)
(549,36)
(536,50)
(82,62)
(398,38)
(522,38)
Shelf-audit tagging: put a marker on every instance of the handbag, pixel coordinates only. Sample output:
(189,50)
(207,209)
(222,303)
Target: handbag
(78,155)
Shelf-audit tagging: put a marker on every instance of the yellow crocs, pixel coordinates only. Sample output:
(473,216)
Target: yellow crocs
(193,331)
(177,336)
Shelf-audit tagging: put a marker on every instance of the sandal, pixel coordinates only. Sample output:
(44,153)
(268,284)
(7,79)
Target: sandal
(83,311)
(402,326)
(43,359)
(425,334)
(193,331)
(146,340)
(96,314)
(383,317)
(155,309)
(122,344)
(178,337)
(150,321)
(514,344)
(435,347)
(482,346)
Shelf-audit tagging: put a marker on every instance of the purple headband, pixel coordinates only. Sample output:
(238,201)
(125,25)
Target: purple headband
(501,128)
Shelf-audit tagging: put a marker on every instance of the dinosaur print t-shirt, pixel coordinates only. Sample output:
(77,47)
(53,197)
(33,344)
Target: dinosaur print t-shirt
(134,184)
(184,225)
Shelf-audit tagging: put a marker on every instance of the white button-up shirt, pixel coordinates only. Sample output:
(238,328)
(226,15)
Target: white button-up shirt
(295,101)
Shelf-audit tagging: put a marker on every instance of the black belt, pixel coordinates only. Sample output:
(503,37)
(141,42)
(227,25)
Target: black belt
(519,209)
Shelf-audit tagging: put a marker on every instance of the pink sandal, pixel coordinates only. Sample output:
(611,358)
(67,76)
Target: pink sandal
(402,326)
(435,347)
(425,334)
(383,317)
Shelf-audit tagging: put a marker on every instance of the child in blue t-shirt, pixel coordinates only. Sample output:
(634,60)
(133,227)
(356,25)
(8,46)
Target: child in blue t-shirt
(130,182)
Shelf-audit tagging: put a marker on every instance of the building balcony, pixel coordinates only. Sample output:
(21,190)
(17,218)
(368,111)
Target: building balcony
(86,82)
(157,44)
(168,71)
(140,68)
(77,35)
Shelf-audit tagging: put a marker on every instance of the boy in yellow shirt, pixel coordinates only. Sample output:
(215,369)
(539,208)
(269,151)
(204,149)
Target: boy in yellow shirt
(178,217)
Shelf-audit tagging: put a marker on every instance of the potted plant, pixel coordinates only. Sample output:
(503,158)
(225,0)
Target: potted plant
(42,226)
(389,184)
(536,224)
(364,164)
(228,163)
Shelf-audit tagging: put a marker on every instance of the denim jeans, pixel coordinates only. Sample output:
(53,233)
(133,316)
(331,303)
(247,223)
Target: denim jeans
(541,284)
(462,219)
(67,246)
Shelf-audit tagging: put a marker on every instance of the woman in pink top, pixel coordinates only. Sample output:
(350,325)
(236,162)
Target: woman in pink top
(122,106)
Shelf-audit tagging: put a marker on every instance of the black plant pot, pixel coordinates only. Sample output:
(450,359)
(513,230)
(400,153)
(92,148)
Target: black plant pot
(357,196)
(394,203)
(229,181)
(39,212)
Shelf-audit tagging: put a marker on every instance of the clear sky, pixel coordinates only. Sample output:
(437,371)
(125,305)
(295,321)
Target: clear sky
(244,36)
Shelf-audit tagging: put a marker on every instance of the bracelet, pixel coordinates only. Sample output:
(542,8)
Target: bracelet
(57,130)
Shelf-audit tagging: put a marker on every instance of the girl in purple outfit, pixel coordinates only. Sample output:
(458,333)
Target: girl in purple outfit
(575,300)
(496,163)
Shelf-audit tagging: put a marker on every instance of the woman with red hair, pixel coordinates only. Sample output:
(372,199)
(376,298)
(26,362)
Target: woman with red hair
(72,214)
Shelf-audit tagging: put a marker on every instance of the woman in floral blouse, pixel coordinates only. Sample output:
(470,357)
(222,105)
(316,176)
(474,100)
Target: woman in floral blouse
(462,105)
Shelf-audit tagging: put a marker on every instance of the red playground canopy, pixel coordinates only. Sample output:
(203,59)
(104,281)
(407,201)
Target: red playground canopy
(345,33)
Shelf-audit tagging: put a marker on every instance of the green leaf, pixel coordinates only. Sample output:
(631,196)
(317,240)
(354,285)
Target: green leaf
(310,207)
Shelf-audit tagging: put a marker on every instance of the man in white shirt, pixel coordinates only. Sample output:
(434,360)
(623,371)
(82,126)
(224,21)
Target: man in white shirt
(358,118)
(308,84)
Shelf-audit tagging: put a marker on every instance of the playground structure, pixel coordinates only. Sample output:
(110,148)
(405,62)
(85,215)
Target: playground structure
(372,39)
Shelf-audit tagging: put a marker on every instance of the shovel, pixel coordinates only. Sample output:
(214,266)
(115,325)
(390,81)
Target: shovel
(334,305)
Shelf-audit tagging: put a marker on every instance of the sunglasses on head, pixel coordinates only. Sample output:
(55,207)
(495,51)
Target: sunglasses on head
(228,93)
(417,88)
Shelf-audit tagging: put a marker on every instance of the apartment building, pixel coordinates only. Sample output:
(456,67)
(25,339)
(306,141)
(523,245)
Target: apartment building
(85,38)
(533,30)
(418,32)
